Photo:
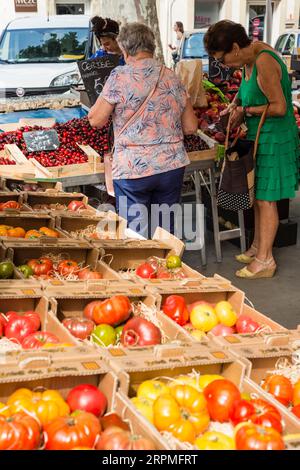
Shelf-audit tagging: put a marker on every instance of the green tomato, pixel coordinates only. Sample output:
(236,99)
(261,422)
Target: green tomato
(26,270)
(119,331)
(6,270)
(104,335)
(173,262)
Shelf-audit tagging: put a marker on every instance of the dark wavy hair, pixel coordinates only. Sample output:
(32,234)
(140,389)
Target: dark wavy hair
(180,26)
(221,36)
(105,27)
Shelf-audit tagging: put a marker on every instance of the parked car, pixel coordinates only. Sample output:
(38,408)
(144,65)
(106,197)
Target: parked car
(192,47)
(287,45)
(39,55)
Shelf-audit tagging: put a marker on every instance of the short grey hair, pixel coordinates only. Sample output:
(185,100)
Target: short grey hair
(135,38)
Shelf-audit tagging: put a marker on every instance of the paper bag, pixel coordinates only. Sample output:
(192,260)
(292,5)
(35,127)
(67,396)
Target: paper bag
(190,73)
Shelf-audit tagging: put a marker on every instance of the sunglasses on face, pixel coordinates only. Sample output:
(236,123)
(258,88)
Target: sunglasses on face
(221,59)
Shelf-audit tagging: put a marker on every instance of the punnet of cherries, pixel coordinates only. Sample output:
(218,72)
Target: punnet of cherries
(70,133)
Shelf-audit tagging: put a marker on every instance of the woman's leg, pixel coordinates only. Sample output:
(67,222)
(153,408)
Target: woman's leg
(252,251)
(268,226)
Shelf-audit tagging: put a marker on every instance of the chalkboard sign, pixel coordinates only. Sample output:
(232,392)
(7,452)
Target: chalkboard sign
(95,72)
(219,73)
(39,141)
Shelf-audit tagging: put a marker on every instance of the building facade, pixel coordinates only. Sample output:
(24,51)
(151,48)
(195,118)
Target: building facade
(194,14)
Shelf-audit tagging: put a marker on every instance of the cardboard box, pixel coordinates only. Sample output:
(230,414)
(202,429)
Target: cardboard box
(5,184)
(228,366)
(62,199)
(82,253)
(13,196)
(205,292)
(106,224)
(31,221)
(70,304)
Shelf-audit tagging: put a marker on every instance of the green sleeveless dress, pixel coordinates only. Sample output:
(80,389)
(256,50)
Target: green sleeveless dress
(277,160)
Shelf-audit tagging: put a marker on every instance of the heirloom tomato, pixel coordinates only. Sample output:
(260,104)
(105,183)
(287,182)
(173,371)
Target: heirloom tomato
(41,266)
(67,267)
(175,308)
(296,394)
(280,387)
(89,398)
(38,339)
(221,396)
(214,441)
(114,438)
(48,232)
(19,432)
(249,436)
(258,411)
(145,407)
(112,311)
(152,389)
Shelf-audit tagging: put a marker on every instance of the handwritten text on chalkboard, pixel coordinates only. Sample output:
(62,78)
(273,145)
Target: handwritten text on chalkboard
(95,72)
(39,141)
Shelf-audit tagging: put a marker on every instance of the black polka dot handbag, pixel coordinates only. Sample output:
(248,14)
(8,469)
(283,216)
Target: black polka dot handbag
(236,188)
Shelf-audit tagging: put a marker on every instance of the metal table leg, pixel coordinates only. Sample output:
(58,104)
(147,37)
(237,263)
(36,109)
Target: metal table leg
(242,229)
(215,214)
(199,214)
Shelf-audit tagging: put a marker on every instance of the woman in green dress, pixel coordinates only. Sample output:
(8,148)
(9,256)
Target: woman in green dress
(265,82)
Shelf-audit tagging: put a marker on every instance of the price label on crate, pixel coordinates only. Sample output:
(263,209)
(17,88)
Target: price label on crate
(95,72)
(39,141)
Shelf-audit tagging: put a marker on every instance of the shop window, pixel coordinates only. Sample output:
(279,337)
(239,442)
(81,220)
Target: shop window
(257,15)
(70,9)
(206,13)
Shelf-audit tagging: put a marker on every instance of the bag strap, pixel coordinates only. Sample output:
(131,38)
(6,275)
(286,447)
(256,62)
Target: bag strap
(142,108)
(261,123)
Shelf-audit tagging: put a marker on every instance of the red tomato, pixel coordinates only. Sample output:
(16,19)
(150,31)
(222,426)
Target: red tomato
(76,205)
(87,398)
(77,430)
(40,266)
(67,267)
(296,411)
(113,420)
(18,328)
(10,205)
(86,273)
(280,387)
(19,432)
(31,314)
(257,411)
(253,437)
(112,311)
(114,438)
(245,324)
(81,328)
(89,309)
(221,396)
(175,308)
(38,339)
(146,271)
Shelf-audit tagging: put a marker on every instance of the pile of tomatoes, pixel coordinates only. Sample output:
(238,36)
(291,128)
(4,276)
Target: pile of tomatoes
(20,232)
(156,268)
(282,388)
(73,206)
(188,408)
(24,329)
(10,205)
(32,420)
(109,322)
(45,268)
(202,317)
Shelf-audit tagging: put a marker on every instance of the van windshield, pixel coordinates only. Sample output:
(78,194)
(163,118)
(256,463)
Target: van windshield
(43,45)
(193,47)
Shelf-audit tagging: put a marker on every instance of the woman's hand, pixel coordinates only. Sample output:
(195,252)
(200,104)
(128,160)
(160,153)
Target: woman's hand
(237,117)
(229,109)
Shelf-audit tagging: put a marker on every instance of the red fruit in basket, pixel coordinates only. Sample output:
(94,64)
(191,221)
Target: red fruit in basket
(87,273)
(76,206)
(258,411)
(245,324)
(89,398)
(10,205)
(41,266)
(112,420)
(222,330)
(296,411)
(140,332)
(89,309)
(221,396)
(253,437)
(81,328)
(280,387)
(19,432)
(67,267)
(163,273)
(175,308)
(18,328)
(112,311)
(146,271)
(1,329)
(38,339)
(220,137)
(34,317)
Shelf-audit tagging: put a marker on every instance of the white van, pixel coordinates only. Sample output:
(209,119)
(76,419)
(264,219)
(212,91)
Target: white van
(192,47)
(38,55)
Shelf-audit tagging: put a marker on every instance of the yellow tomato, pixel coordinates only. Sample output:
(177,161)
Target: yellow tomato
(152,389)
(4,410)
(215,441)
(225,313)
(3,232)
(46,405)
(199,335)
(144,406)
(183,413)
(205,380)
(203,317)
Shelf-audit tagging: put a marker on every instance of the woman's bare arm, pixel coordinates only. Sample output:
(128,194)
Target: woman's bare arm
(189,119)
(100,113)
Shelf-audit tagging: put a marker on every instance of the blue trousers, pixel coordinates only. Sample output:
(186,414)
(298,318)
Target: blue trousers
(138,201)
